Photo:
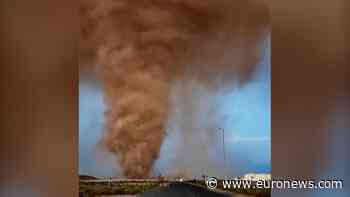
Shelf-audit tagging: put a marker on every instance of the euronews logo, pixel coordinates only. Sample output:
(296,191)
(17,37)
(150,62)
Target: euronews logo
(253,182)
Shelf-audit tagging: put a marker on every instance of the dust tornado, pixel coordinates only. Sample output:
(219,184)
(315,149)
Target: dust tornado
(142,46)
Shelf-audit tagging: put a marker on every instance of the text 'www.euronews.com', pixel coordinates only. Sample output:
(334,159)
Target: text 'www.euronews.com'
(213,183)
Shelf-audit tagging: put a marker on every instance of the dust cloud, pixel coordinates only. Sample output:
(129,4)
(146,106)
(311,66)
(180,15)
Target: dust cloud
(143,47)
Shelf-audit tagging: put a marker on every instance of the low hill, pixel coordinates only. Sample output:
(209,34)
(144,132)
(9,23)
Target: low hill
(87,177)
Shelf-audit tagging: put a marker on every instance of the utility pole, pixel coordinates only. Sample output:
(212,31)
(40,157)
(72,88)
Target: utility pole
(223,147)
